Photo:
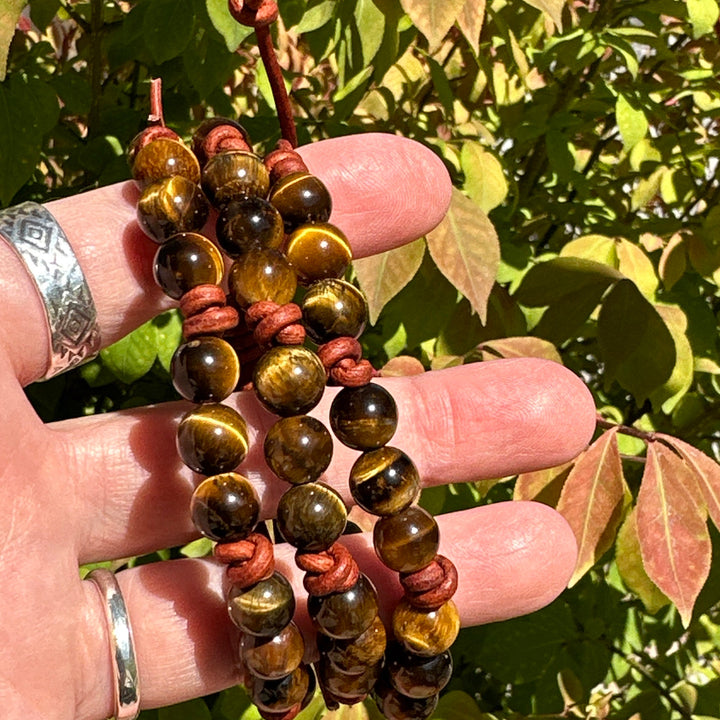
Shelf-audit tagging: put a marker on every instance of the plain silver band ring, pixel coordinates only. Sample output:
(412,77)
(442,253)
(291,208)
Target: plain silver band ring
(125,674)
(41,244)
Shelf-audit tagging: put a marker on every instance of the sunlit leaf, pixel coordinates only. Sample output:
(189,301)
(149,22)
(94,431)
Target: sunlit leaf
(542,486)
(553,8)
(631,121)
(132,357)
(457,705)
(636,265)
(592,500)
(402,366)
(646,189)
(371,25)
(465,248)
(525,346)
(382,276)
(703,15)
(9,16)
(674,538)
(232,31)
(470,22)
(485,181)
(673,261)
(433,18)
(599,248)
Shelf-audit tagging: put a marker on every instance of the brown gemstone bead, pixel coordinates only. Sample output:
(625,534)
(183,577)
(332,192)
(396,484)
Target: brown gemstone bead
(205,369)
(333,308)
(212,438)
(273,657)
(318,251)
(408,540)
(301,198)
(225,507)
(426,633)
(262,275)
(351,656)
(298,449)
(249,223)
(346,614)
(311,517)
(185,261)
(349,688)
(289,380)
(163,158)
(396,706)
(417,676)
(364,418)
(229,175)
(384,481)
(170,206)
(263,609)
(280,694)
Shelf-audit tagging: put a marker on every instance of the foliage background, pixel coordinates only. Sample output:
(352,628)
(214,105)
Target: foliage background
(582,138)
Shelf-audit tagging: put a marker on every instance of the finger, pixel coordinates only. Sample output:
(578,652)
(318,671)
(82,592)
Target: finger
(512,558)
(476,421)
(386,190)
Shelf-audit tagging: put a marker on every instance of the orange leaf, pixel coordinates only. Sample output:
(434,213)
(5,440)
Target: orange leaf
(592,500)
(672,528)
(542,485)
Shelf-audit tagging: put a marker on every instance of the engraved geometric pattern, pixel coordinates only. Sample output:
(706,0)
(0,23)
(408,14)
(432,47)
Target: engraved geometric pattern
(44,249)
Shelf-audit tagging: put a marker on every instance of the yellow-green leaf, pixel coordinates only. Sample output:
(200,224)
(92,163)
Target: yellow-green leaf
(703,15)
(370,21)
(9,15)
(673,261)
(485,181)
(433,18)
(553,8)
(523,346)
(636,265)
(466,250)
(470,22)
(599,248)
(631,122)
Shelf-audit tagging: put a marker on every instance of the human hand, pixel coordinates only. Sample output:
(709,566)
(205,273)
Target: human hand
(112,486)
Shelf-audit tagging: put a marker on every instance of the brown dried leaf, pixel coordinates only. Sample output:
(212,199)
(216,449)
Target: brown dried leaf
(523,346)
(470,22)
(433,18)
(542,486)
(465,248)
(592,500)
(10,12)
(553,8)
(672,528)
(402,366)
(383,276)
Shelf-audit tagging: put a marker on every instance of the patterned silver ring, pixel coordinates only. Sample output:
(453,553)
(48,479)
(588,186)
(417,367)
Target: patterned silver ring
(125,674)
(43,247)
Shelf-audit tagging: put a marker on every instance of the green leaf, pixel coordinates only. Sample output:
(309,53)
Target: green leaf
(631,122)
(636,345)
(168,28)
(599,248)
(316,16)
(132,357)
(552,8)
(9,15)
(231,30)
(457,705)
(433,18)
(169,336)
(465,248)
(189,710)
(485,181)
(442,86)
(370,22)
(42,12)
(703,15)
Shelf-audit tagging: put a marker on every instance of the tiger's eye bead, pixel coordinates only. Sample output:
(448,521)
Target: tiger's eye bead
(345,615)
(416,676)
(318,251)
(332,309)
(205,369)
(396,706)
(282,694)
(262,275)
(301,198)
(263,609)
(163,158)
(249,223)
(228,175)
(225,507)
(384,481)
(350,688)
(185,261)
(311,517)
(298,449)
(289,380)
(351,656)
(273,657)
(407,541)
(426,633)
(212,438)
(364,418)
(170,206)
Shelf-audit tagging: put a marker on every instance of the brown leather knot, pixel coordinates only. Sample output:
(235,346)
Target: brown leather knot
(206,313)
(249,561)
(254,14)
(344,364)
(283,161)
(431,587)
(333,570)
(222,139)
(153,132)
(276,324)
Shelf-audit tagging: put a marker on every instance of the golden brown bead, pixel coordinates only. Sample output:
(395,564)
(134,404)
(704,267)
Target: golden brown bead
(249,223)
(384,481)
(163,158)
(333,308)
(289,380)
(426,633)
(349,688)
(365,417)
(262,275)
(298,449)
(351,656)
(185,261)
(417,676)
(263,609)
(408,540)
(318,251)
(396,706)
(281,694)
(301,198)
(212,438)
(311,517)
(345,615)
(229,175)
(273,657)
(205,369)
(225,507)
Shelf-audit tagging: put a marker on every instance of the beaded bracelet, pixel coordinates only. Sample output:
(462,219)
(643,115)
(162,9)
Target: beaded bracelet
(273,223)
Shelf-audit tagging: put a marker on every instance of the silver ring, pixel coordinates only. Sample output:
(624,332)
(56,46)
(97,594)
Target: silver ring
(39,241)
(125,674)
